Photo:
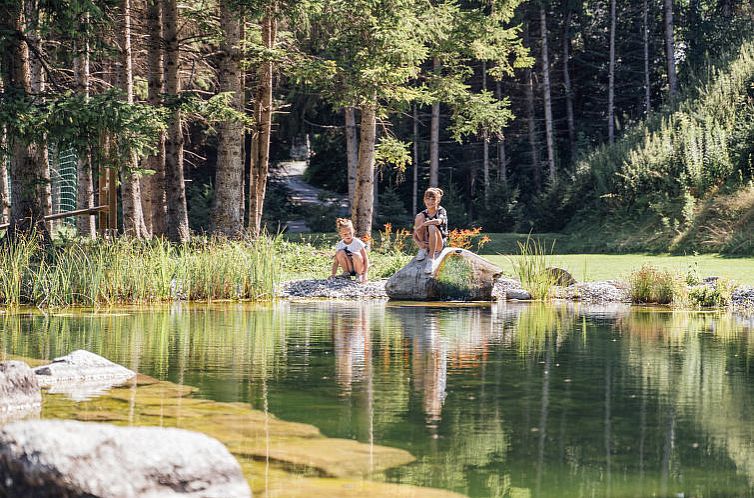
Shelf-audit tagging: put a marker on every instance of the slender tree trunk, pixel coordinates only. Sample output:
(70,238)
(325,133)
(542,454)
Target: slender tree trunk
(29,173)
(670,50)
(434,138)
(4,187)
(177,215)
(226,213)
(262,165)
(485,145)
(352,150)
(567,83)
(155,82)
(361,211)
(85,185)
(38,81)
(531,121)
(415,182)
(502,165)
(647,88)
(133,218)
(611,79)
(549,132)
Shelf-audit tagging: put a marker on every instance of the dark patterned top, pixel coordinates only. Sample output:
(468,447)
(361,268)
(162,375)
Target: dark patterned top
(441,215)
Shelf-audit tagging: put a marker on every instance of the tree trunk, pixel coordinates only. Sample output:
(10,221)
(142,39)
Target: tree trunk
(502,164)
(177,215)
(434,138)
(226,209)
(133,218)
(85,185)
(361,211)
(352,150)
(567,84)
(265,105)
(670,50)
(37,76)
(485,145)
(611,79)
(531,120)
(155,183)
(647,89)
(4,187)
(549,133)
(415,182)
(29,173)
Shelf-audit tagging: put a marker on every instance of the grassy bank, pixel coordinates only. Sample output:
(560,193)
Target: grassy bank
(128,271)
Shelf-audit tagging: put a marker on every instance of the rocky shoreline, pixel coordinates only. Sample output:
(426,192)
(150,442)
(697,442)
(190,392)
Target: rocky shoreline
(505,289)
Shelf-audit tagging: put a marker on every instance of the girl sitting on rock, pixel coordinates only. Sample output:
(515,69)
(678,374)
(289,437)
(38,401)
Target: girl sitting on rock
(350,252)
(431,228)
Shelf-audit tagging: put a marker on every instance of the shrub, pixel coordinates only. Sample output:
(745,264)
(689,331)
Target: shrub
(651,285)
(531,268)
(705,296)
(465,238)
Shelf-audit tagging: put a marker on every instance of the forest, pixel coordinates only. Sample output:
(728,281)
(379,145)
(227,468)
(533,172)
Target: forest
(559,116)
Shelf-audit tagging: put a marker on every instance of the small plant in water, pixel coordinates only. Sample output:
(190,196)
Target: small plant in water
(531,268)
(652,285)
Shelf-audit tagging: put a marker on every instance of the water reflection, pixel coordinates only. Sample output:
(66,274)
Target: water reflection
(497,400)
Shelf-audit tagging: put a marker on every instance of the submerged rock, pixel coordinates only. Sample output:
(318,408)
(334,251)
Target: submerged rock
(20,395)
(455,274)
(82,375)
(53,458)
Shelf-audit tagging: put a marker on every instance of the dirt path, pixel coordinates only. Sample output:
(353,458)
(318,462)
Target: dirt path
(302,194)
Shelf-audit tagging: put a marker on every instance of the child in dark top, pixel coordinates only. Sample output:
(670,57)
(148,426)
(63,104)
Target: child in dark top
(431,228)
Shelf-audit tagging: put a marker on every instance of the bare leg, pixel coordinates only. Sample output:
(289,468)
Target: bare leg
(358,265)
(344,261)
(435,241)
(421,238)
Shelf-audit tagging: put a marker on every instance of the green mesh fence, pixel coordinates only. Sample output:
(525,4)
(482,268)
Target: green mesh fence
(63,181)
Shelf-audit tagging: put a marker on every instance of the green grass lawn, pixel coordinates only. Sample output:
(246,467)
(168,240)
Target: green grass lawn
(619,266)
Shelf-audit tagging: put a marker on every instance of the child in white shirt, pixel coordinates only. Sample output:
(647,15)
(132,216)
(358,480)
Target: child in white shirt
(350,252)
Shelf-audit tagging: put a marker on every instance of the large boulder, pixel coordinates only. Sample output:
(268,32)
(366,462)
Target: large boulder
(19,391)
(82,375)
(65,459)
(455,274)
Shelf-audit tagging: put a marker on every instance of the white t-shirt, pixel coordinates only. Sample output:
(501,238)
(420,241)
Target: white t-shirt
(355,246)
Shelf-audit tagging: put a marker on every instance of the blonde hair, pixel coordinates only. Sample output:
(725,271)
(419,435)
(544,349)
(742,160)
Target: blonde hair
(434,192)
(341,223)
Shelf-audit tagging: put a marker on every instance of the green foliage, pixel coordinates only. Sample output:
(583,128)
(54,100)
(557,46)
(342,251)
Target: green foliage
(393,210)
(129,271)
(705,296)
(502,212)
(652,285)
(531,268)
(73,120)
(390,151)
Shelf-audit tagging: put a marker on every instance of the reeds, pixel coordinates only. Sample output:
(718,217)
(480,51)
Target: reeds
(531,268)
(129,271)
(652,285)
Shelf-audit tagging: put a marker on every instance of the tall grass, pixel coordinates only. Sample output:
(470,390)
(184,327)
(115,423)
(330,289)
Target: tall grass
(131,271)
(652,285)
(531,268)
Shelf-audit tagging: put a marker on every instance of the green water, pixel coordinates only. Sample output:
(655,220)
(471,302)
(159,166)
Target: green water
(492,400)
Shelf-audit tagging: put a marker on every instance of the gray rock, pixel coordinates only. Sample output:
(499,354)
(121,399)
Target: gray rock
(65,459)
(82,375)
(517,294)
(455,273)
(20,395)
(743,298)
(609,291)
(561,277)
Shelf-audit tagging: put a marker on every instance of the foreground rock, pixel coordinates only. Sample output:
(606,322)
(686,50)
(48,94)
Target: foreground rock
(82,375)
(334,288)
(456,274)
(609,291)
(53,458)
(509,289)
(19,391)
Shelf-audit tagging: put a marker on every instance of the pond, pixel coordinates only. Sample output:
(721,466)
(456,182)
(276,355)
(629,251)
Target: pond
(492,400)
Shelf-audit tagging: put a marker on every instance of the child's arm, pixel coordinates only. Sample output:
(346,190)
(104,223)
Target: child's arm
(365,258)
(334,269)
